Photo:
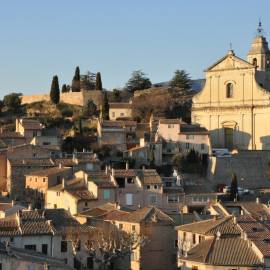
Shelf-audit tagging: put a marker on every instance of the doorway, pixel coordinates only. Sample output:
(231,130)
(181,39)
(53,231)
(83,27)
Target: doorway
(228,138)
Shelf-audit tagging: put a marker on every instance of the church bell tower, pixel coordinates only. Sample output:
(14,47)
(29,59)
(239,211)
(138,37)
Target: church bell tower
(259,54)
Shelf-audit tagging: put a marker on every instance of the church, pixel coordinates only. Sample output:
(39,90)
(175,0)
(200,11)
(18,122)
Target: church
(234,104)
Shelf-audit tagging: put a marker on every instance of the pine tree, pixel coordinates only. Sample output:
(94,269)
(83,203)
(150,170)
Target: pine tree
(64,88)
(105,113)
(181,80)
(55,91)
(76,82)
(98,81)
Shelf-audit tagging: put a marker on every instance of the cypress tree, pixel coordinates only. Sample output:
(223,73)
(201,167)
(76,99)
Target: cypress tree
(76,82)
(234,188)
(64,88)
(55,91)
(98,81)
(105,114)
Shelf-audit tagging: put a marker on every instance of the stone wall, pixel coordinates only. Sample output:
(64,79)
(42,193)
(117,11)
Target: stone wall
(74,98)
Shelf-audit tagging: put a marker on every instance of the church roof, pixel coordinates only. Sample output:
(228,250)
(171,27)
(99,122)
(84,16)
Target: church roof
(241,63)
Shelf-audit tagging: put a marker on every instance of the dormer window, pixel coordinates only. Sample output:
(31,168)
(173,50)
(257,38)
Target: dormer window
(229,90)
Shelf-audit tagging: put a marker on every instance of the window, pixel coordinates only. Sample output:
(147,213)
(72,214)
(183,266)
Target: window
(129,199)
(44,180)
(189,137)
(155,187)
(120,226)
(36,179)
(122,114)
(176,243)
(172,199)
(130,181)
(90,263)
(254,62)
(30,247)
(133,228)
(194,238)
(202,146)
(148,186)
(106,194)
(229,90)
(86,204)
(55,206)
(63,246)
(44,249)
(58,193)
(58,179)
(187,145)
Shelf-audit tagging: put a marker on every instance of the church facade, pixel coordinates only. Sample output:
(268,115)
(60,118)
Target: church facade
(234,104)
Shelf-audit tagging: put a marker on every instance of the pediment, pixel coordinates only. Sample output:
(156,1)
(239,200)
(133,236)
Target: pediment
(229,61)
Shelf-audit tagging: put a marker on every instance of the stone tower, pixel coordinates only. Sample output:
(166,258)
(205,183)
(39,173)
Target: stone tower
(259,54)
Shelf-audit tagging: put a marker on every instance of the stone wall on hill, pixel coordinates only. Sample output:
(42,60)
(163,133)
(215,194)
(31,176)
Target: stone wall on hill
(74,98)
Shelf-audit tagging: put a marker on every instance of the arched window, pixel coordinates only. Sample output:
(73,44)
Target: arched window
(229,90)
(254,62)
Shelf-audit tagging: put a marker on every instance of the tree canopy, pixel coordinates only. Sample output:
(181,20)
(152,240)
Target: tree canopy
(64,88)
(98,81)
(90,109)
(105,112)
(12,102)
(55,91)
(181,79)
(88,81)
(138,81)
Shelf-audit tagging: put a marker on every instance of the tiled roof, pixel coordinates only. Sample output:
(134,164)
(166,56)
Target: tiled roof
(11,135)
(120,105)
(100,210)
(37,227)
(48,172)
(31,162)
(146,176)
(170,121)
(118,124)
(102,183)
(81,194)
(31,124)
(233,251)
(193,129)
(147,214)
(225,226)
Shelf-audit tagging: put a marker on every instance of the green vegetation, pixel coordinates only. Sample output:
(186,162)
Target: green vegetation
(234,188)
(105,113)
(98,81)
(90,109)
(191,163)
(138,81)
(88,81)
(76,82)
(181,80)
(13,102)
(55,91)
(64,88)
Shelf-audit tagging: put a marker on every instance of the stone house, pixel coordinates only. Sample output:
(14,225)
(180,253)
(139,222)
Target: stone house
(52,142)
(29,128)
(138,188)
(86,190)
(180,137)
(157,250)
(120,110)
(12,258)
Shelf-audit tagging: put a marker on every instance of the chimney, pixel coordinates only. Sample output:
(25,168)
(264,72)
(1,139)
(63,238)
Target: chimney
(234,220)
(23,161)
(113,172)
(218,235)
(63,183)
(106,169)
(60,165)
(143,167)
(127,166)
(258,200)
(12,203)
(29,206)
(7,247)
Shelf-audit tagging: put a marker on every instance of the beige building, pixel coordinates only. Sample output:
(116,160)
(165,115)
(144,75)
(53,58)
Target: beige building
(182,137)
(158,251)
(120,110)
(29,128)
(235,101)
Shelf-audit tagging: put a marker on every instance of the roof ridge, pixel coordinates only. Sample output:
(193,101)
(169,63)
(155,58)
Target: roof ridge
(210,249)
(225,220)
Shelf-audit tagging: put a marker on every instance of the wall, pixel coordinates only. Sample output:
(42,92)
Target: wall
(74,98)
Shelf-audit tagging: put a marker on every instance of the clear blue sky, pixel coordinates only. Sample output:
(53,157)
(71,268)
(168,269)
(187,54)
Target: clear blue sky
(41,38)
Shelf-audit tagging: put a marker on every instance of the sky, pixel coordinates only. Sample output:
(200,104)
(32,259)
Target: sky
(40,39)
